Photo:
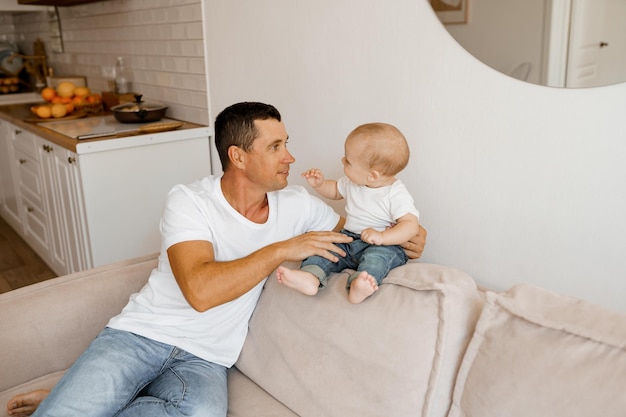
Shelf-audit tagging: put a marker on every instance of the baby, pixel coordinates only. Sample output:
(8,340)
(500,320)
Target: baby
(375,201)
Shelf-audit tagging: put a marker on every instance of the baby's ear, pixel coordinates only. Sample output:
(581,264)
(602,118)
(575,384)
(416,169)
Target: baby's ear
(373,175)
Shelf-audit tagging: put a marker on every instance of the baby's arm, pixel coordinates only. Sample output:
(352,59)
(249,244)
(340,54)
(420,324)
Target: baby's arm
(406,228)
(325,188)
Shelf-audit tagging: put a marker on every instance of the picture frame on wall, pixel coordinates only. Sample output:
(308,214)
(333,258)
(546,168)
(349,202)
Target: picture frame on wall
(451,11)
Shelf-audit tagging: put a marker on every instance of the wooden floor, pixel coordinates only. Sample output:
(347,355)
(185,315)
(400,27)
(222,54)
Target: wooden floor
(19,264)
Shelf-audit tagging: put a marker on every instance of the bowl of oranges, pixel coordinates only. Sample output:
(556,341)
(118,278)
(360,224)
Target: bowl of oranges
(67,100)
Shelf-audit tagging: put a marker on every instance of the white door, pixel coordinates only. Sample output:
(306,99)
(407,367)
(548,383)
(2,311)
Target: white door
(597,51)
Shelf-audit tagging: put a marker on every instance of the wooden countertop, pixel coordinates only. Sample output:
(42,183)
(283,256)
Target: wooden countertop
(17,113)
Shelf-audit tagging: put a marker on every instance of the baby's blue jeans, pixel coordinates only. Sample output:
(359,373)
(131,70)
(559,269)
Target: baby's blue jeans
(360,256)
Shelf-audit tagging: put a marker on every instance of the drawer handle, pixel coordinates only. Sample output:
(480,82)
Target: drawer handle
(18,131)
(48,148)
(23,161)
(71,159)
(30,209)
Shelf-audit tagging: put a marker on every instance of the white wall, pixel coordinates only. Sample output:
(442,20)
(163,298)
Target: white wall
(515,182)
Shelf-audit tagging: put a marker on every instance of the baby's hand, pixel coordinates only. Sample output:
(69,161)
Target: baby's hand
(372,236)
(314,176)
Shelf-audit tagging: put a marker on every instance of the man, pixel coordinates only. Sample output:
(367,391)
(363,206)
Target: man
(167,352)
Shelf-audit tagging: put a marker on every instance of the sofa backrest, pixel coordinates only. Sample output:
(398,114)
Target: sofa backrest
(46,326)
(538,353)
(395,354)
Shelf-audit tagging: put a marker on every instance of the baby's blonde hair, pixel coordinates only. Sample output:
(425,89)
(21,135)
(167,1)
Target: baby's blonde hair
(384,147)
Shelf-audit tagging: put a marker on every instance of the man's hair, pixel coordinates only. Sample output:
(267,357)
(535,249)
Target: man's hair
(234,126)
(384,147)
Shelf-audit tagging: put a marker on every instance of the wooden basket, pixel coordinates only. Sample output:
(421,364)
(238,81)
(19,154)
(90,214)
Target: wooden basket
(89,108)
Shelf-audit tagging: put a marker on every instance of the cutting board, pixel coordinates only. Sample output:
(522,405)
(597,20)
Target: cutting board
(93,127)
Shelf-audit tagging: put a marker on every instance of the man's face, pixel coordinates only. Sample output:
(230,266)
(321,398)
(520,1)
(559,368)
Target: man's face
(267,163)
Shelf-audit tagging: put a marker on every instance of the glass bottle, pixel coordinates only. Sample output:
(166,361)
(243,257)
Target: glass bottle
(122,77)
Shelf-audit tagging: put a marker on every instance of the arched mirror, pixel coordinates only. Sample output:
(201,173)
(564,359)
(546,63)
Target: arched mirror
(558,43)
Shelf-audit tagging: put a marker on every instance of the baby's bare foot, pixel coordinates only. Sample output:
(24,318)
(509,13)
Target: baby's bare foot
(305,282)
(362,287)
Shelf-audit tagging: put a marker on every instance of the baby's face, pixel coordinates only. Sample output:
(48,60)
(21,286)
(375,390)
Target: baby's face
(354,166)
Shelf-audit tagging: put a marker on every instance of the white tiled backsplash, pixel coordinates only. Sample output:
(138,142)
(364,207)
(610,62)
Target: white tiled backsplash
(161,42)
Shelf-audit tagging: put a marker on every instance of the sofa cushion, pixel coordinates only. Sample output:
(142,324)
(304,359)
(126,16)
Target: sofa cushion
(536,353)
(395,354)
(247,399)
(46,326)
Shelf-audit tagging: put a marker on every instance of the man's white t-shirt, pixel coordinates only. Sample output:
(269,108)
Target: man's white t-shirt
(377,208)
(199,211)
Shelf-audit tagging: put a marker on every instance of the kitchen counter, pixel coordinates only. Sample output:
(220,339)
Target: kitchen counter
(83,203)
(18,113)
(16,98)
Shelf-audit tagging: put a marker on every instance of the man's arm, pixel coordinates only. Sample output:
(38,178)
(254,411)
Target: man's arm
(415,246)
(340,224)
(207,283)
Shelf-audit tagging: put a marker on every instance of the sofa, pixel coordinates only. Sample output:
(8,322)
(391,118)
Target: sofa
(428,343)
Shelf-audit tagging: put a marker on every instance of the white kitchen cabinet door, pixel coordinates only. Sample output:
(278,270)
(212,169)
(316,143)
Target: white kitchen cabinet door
(68,183)
(33,193)
(10,192)
(58,251)
(68,243)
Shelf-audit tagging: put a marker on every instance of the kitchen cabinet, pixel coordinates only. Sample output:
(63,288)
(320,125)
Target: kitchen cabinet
(36,205)
(10,192)
(99,203)
(56,2)
(13,6)
(67,251)
(32,201)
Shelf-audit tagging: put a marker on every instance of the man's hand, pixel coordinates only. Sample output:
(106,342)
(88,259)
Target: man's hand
(207,283)
(415,246)
(314,243)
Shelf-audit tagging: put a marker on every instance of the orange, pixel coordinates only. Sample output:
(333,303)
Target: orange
(70,107)
(82,91)
(66,89)
(48,93)
(58,110)
(56,99)
(44,112)
(65,100)
(78,100)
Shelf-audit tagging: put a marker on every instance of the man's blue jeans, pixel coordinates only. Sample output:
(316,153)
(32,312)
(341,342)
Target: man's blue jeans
(123,374)
(360,256)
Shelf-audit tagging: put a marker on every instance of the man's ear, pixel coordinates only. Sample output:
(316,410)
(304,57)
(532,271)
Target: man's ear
(236,156)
